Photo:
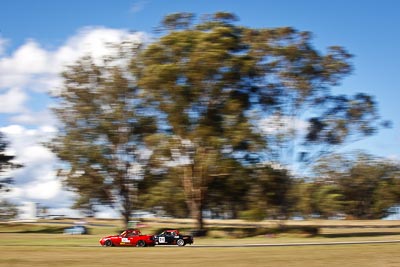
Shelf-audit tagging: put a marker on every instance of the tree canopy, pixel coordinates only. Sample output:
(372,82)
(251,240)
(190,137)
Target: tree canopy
(216,82)
(7,163)
(102,132)
(206,98)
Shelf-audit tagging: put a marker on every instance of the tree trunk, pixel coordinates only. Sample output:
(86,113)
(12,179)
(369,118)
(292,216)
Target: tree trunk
(126,216)
(127,195)
(194,193)
(126,212)
(197,214)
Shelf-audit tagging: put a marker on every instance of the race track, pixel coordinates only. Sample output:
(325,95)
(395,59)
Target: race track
(231,245)
(296,244)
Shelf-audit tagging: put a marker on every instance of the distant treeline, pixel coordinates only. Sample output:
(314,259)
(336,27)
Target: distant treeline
(364,187)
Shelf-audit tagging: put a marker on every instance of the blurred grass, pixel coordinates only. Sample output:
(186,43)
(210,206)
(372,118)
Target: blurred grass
(42,244)
(226,229)
(341,255)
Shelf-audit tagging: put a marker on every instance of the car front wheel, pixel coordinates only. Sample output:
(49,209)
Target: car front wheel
(108,243)
(180,242)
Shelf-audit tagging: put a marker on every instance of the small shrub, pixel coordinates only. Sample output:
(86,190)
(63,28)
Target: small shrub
(252,215)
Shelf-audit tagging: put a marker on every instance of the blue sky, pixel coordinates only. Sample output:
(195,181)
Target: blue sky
(36,37)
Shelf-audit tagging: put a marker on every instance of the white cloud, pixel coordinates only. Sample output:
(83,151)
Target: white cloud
(107,213)
(26,144)
(27,75)
(275,124)
(30,58)
(13,101)
(35,153)
(43,190)
(93,41)
(44,117)
(32,67)
(36,181)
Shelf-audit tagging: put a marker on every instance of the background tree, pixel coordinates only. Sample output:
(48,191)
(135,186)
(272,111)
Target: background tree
(226,196)
(215,82)
(7,163)
(302,198)
(163,194)
(8,210)
(103,123)
(271,188)
(327,200)
(368,185)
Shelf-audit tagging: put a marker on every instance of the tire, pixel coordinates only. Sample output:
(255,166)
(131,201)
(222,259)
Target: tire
(108,243)
(141,243)
(180,242)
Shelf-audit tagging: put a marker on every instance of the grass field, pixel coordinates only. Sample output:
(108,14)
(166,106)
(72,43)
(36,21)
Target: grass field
(30,245)
(341,255)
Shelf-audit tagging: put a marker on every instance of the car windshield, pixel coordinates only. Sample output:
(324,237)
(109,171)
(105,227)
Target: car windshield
(127,233)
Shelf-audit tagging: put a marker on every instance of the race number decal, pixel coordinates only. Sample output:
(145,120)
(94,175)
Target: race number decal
(125,240)
(161,239)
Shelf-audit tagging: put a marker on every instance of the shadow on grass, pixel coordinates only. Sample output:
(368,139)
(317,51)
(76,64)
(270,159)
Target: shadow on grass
(358,234)
(49,230)
(242,232)
(35,230)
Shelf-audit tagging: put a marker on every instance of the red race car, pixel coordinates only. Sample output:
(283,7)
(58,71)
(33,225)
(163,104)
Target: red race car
(128,237)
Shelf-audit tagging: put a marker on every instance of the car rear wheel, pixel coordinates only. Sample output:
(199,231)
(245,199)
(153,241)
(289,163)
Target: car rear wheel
(141,243)
(108,243)
(180,242)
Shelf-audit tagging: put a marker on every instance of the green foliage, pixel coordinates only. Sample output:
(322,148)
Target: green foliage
(103,123)
(196,97)
(327,200)
(364,187)
(207,78)
(7,210)
(255,214)
(165,194)
(226,195)
(7,163)
(274,185)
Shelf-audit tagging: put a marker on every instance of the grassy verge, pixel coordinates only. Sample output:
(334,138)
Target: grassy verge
(351,255)
(42,244)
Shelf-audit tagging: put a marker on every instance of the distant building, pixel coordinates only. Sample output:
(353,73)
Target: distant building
(27,211)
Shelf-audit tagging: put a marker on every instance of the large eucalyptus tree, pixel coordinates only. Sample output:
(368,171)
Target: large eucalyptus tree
(216,82)
(218,92)
(102,125)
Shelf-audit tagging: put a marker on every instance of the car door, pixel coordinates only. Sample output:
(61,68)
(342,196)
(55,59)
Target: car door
(164,238)
(133,239)
(169,238)
(161,239)
(127,239)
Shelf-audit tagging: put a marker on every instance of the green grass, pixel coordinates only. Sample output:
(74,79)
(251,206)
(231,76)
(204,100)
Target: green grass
(42,244)
(342,255)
